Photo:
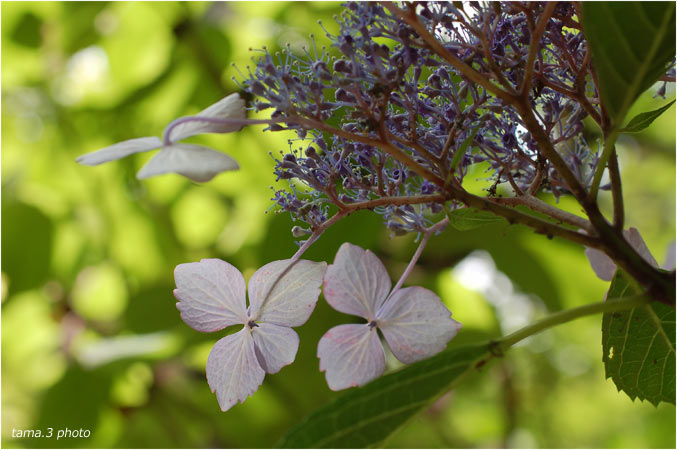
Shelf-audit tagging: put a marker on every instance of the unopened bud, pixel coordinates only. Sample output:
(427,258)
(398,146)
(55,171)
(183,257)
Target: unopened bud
(298,232)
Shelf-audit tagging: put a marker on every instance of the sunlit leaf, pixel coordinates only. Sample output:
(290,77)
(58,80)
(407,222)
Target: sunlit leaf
(460,151)
(639,346)
(100,292)
(632,45)
(643,120)
(464,219)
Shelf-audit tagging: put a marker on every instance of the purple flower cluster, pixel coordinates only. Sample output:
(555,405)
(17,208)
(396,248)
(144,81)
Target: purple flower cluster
(383,114)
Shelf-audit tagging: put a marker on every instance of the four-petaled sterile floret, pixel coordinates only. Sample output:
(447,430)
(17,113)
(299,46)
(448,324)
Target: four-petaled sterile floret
(195,162)
(212,296)
(413,320)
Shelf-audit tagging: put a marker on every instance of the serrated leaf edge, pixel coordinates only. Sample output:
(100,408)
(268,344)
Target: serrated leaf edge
(659,325)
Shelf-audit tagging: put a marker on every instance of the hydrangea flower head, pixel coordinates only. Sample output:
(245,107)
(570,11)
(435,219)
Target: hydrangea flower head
(413,320)
(212,296)
(195,162)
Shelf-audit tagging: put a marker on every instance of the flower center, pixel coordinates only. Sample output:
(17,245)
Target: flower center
(251,324)
(372,324)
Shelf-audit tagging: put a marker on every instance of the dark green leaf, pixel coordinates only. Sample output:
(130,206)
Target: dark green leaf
(26,245)
(458,155)
(75,402)
(464,219)
(152,310)
(632,45)
(643,120)
(366,416)
(639,346)
(27,30)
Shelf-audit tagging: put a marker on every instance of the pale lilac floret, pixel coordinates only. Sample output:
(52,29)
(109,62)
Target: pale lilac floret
(605,268)
(413,320)
(212,296)
(195,162)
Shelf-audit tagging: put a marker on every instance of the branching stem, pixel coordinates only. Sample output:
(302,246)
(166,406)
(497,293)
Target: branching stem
(539,205)
(414,259)
(534,47)
(568,315)
(430,40)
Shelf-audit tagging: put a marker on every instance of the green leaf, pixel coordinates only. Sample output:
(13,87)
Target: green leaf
(632,45)
(464,219)
(643,120)
(458,155)
(26,243)
(366,416)
(27,30)
(639,346)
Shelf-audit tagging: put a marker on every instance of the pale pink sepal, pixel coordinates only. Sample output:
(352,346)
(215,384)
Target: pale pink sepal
(233,371)
(211,294)
(357,283)
(120,150)
(276,346)
(289,300)
(231,106)
(416,324)
(350,355)
(195,162)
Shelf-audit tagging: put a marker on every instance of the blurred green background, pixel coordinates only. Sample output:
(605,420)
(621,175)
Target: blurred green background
(91,338)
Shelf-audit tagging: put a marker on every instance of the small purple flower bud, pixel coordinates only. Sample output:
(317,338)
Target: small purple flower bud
(322,144)
(257,88)
(341,65)
(343,96)
(270,69)
(434,81)
(427,188)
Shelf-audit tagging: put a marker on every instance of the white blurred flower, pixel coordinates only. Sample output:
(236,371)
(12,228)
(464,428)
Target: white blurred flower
(196,162)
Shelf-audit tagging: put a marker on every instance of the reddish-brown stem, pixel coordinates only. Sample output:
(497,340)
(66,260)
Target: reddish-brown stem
(514,216)
(389,148)
(554,157)
(540,206)
(411,19)
(497,72)
(447,147)
(578,97)
(427,233)
(416,146)
(534,47)
(538,179)
(383,201)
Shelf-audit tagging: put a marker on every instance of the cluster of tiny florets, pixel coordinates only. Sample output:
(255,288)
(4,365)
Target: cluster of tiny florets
(380,83)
